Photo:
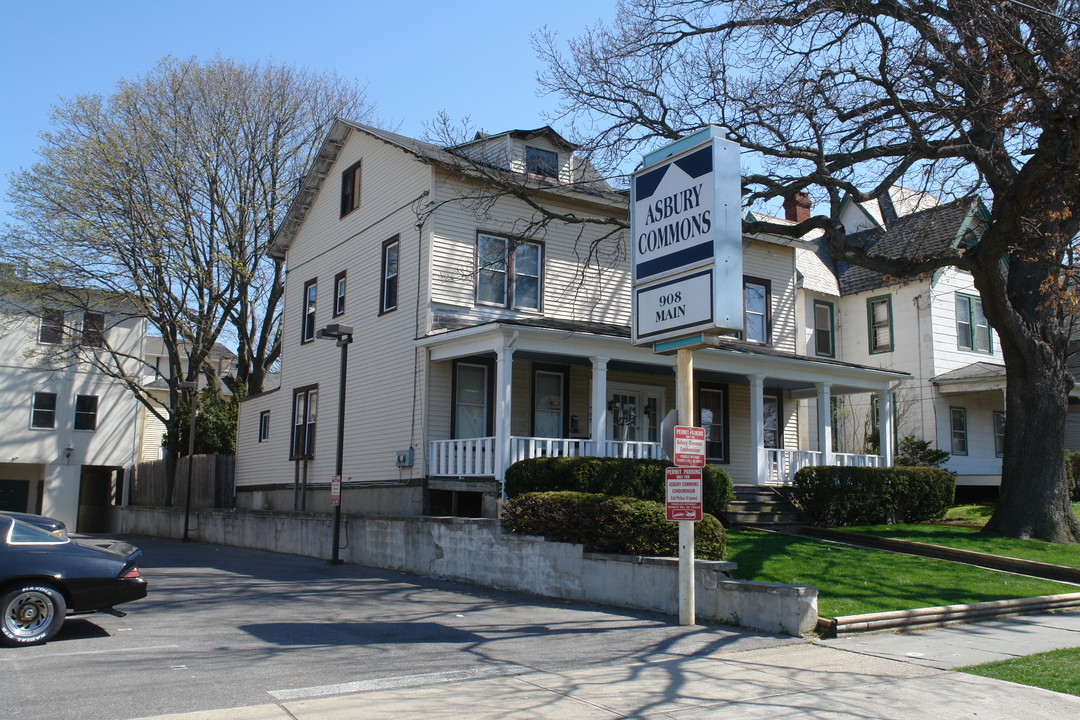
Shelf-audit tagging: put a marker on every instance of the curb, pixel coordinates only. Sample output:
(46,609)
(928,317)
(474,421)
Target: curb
(944,614)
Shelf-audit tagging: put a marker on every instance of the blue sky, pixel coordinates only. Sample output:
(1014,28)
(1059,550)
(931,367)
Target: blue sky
(470,58)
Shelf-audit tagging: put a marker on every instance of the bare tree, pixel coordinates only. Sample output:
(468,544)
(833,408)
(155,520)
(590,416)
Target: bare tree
(163,198)
(845,98)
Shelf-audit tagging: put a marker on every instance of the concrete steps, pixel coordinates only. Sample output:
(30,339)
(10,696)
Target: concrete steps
(762,507)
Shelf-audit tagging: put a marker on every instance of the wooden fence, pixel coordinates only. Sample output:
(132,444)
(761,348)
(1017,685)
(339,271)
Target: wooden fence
(211,483)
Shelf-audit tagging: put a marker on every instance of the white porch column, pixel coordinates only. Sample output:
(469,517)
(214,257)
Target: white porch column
(758,466)
(886,422)
(598,425)
(824,422)
(503,365)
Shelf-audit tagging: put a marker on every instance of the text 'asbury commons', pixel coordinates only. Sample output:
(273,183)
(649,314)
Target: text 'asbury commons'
(674,219)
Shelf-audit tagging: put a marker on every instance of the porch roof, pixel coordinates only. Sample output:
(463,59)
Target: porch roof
(733,359)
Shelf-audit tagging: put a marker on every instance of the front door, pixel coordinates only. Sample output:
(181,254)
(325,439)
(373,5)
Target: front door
(549,419)
(471,405)
(634,413)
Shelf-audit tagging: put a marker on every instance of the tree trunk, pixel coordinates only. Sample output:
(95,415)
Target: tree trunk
(1034,496)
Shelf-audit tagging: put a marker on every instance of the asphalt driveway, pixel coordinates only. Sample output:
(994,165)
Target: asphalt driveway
(227,627)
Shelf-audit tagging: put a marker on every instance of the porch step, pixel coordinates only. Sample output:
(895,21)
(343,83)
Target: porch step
(758,506)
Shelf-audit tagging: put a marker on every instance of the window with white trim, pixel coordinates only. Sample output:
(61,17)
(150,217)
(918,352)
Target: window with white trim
(879,320)
(756,311)
(389,291)
(43,413)
(51,329)
(972,328)
(508,272)
(305,405)
(86,412)
(264,426)
(307,332)
(339,293)
(958,427)
(824,329)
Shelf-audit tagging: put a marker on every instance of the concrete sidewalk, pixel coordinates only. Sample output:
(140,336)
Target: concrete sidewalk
(884,675)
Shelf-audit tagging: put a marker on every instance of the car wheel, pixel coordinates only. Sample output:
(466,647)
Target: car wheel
(30,614)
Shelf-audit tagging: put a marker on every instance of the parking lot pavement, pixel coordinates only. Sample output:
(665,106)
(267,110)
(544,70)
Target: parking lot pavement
(235,634)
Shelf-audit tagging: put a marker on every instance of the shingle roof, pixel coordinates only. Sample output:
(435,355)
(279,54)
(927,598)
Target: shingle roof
(908,236)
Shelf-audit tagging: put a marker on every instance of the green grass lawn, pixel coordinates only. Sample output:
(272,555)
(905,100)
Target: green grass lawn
(966,538)
(1054,670)
(852,581)
(979,514)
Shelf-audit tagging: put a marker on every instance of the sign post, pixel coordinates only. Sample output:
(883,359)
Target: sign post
(686,257)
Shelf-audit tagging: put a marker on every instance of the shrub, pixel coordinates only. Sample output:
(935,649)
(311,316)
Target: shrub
(642,479)
(836,496)
(919,453)
(604,523)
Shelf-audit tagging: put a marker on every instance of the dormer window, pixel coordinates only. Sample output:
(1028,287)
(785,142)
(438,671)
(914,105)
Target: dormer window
(544,163)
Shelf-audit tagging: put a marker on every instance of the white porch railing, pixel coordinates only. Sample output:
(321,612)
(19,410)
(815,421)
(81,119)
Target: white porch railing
(469,457)
(475,457)
(781,465)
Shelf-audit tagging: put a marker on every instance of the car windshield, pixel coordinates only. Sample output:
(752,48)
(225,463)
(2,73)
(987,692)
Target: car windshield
(22,533)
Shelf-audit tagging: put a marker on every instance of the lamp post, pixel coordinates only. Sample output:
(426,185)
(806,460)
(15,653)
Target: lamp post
(193,387)
(344,335)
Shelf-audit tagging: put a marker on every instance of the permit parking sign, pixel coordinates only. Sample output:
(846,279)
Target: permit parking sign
(683,494)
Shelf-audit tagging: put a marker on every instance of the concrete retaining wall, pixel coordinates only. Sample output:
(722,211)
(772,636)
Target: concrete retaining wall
(480,552)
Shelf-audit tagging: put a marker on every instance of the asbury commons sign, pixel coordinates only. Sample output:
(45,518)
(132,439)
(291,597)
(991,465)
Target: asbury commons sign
(686,225)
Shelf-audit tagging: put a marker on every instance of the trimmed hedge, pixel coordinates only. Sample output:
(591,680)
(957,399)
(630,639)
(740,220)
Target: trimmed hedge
(642,479)
(603,523)
(832,496)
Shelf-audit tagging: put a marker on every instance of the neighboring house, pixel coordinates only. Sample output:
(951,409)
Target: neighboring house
(480,340)
(156,387)
(68,432)
(932,328)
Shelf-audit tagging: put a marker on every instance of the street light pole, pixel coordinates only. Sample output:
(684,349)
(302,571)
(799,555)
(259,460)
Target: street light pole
(193,387)
(344,336)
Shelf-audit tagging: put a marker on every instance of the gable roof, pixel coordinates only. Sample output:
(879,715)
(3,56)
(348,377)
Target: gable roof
(913,235)
(313,180)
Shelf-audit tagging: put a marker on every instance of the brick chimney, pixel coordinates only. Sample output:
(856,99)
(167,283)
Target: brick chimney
(797,207)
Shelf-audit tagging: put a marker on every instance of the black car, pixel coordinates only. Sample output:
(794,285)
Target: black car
(56,527)
(45,577)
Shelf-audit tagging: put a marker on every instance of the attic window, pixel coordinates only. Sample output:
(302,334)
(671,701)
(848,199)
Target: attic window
(350,189)
(541,162)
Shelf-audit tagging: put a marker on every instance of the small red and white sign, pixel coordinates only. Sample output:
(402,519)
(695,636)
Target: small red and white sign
(335,490)
(684,493)
(689,446)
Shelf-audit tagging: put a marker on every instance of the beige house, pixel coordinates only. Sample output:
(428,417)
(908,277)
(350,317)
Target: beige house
(481,336)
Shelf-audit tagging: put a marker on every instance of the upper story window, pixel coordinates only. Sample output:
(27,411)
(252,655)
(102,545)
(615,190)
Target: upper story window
(824,329)
(388,293)
(43,414)
(307,331)
(756,310)
(879,318)
(86,412)
(350,189)
(972,329)
(339,293)
(264,426)
(541,162)
(51,329)
(93,330)
(305,406)
(508,272)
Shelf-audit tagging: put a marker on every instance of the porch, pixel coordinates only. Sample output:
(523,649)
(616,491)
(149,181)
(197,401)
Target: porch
(507,391)
(475,457)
